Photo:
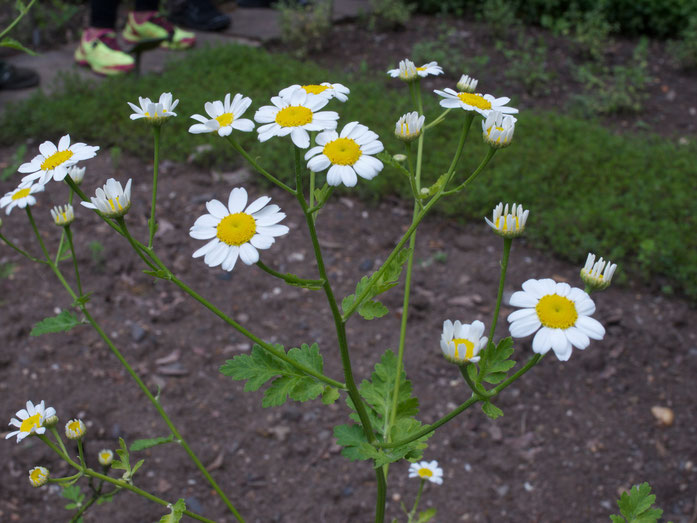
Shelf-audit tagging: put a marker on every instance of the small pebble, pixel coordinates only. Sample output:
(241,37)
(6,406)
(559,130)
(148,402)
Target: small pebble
(663,415)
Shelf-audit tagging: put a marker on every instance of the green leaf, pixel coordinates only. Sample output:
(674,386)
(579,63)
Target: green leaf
(330,395)
(64,321)
(491,410)
(14,44)
(496,366)
(177,511)
(72,493)
(388,159)
(356,446)
(617,519)
(6,269)
(260,367)
(142,444)
(426,515)
(636,505)
(372,309)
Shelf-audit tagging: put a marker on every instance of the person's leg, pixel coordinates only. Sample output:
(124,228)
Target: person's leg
(99,48)
(199,14)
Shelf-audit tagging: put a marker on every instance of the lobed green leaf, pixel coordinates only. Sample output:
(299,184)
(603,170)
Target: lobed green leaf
(62,322)
(142,444)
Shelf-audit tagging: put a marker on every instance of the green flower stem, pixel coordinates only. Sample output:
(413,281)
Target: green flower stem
(489,156)
(69,479)
(117,482)
(58,438)
(477,389)
(319,205)
(71,183)
(467,404)
(134,243)
(20,251)
(83,509)
(291,279)
(507,242)
(69,235)
(81,452)
(416,501)
(343,343)
(437,120)
(22,11)
(461,145)
(152,223)
(312,189)
(38,235)
(258,168)
(420,145)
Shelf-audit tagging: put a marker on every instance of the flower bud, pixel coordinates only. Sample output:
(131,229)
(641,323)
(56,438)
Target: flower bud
(597,275)
(408,127)
(76,174)
(399,157)
(51,421)
(106,456)
(112,200)
(508,224)
(497,129)
(63,215)
(467,84)
(75,429)
(462,343)
(38,476)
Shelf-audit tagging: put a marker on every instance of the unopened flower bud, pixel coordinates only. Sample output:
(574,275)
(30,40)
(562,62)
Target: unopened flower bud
(63,215)
(497,129)
(51,421)
(508,224)
(75,429)
(409,126)
(399,157)
(38,476)
(467,84)
(106,456)
(597,275)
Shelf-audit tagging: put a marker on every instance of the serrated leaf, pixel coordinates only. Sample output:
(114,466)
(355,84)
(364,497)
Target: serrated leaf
(72,493)
(177,511)
(370,310)
(64,321)
(495,377)
(142,444)
(617,519)
(356,446)
(14,44)
(491,410)
(635,505)
(426,515)
(137,466)
(330,395)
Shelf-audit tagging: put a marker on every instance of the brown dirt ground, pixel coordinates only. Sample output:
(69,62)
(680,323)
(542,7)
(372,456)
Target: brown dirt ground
(573,436)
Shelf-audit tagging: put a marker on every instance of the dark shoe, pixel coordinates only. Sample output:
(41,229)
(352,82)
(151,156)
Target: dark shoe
(12,77)
(200,15)
(253,3)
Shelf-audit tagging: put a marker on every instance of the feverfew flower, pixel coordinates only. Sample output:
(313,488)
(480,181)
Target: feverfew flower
(75,429)
(106,456)
(467,84)
(409,126)
(154,112)
(325,89)
(238,230)
(224,116)
(76,174)
(597,275)
(559,313)
(63,215)
(38,476)
(112,200)
(20,197)
(427,470)
(481,103)
(508,224)
(498,129)
(31,420)
(54,161)
(461,343)
(407,71)
(348,153)
(295,114)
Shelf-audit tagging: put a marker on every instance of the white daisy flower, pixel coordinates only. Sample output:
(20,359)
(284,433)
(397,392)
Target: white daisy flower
(154,112)
(482,103)
(498,129)
(237,230)
(54,161)
(38,476)
(597,275)
(224,116)
(76,174)
(20,197)
(325,89)
(75,429)
(427,470)
(112,200)
(408,71)
(409,126)
(105,456)
(63,215)
(559,313)
(461,343)
(348,154)
(508,224)
(467,84)
(31,420)
(295,114)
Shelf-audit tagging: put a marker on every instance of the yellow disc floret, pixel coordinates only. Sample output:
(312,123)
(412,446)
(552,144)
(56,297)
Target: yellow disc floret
(468,347)
(342,151)
(315,89)
(474,100)
(425,473)
(225,119)
(32,422)
(556,312)
(294,116)
(56,159)
(236,229)
(22,193)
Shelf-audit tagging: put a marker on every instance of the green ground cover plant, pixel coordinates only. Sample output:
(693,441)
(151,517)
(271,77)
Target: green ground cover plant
(575,174)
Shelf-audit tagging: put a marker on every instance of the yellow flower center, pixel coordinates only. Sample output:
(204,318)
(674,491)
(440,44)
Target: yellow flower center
(505,222)
(469,348)
(56,159)
(425,473)
(115,204)
(474,100)
(294,116)
(33,422)
(37,476)
(74,426)
(315,89)
(556,312)
(225,119)
(23,193)
(420,68)
(342,151)
(236,229)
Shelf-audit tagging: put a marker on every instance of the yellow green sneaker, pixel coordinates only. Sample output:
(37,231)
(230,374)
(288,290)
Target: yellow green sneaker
(149,25)
(99,50)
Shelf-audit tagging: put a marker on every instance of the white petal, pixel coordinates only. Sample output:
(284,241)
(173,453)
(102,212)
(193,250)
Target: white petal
(523,299)
(217,209)
(524,327)
(248,254)
(237,200)
(318,163)
(542,341)
(231,258)
(262,241)
(273,230)
(590,327)
(202,233)
(577,338)
(257,204)
(300,138)
(206,248)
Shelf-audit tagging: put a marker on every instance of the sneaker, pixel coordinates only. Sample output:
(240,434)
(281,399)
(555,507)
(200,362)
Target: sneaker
(201,15)
(12,77)
(99,50)
(149,25)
